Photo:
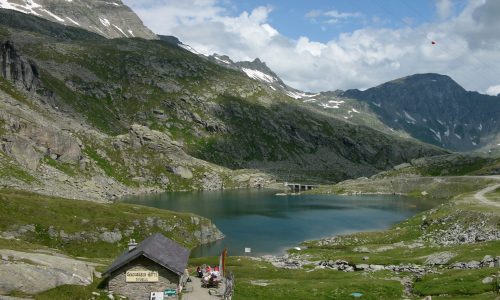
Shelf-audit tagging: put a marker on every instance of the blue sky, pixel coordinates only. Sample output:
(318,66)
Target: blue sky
(297,18)
(320,45)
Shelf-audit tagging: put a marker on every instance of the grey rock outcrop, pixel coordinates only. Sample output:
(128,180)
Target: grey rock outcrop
(111,236)
(339,264)
(182,172)
(212,182)
(55,143)
(23,150)
(17,68)
(487,262)
(440,258)
(33,273)
(207,231)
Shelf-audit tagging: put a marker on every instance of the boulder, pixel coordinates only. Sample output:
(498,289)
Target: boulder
(23,151)
(439,258)
(487,280)
(111,236)
(362,267)
(33,273)
(182,172)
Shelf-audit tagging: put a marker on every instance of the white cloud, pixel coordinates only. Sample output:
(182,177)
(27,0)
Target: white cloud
(444,8)
(341,15)
(314,13)
(493,90)
(331,16)
(467,49)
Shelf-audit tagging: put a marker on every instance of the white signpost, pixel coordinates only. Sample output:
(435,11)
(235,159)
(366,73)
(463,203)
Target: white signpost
(141,276)
(157,296)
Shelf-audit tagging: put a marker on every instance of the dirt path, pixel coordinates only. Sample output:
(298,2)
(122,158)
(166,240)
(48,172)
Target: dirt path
(198,292)
(479,195)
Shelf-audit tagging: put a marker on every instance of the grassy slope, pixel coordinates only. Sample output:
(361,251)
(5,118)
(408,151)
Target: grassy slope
(21,208)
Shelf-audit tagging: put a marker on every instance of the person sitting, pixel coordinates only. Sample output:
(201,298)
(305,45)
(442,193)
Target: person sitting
(199,272)
(212,281)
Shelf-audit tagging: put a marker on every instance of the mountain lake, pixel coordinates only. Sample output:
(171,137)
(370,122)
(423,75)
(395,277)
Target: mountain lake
(269,224)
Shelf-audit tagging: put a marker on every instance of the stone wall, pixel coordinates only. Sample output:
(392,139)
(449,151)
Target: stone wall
(141,290)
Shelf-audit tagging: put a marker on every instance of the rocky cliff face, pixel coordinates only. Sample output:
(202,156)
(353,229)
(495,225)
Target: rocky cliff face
(16,68)
(110,18)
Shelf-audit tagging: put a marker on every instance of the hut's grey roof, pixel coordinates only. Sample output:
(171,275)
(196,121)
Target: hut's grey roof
(159,249)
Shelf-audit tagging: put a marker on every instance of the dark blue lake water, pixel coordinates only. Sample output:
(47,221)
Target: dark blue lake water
(270,224)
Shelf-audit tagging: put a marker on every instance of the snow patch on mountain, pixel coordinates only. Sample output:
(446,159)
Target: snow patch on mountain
(189,48)
(409,118)
(222,60)
(255,74)
(332,104)
(104,22)
(73,21)
(28,7)
(56,17)
(447,132)
(436,133)
(119,29)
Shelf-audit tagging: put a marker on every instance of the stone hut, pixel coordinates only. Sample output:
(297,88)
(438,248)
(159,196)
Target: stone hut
(154,265)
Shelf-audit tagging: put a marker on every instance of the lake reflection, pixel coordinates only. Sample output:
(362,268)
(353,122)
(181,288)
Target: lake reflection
(269,224)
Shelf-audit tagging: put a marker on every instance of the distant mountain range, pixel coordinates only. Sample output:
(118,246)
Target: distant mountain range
(429,107)
(435,109)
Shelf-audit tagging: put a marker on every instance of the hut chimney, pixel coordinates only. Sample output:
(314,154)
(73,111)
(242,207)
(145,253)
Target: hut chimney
(131,245)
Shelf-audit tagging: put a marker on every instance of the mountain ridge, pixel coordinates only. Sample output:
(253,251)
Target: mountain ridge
(435,109)
(111,19)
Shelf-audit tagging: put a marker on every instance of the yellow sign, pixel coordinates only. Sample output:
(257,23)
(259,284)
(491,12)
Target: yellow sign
(141,276)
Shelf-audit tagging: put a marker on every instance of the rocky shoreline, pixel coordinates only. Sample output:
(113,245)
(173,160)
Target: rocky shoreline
(434,263)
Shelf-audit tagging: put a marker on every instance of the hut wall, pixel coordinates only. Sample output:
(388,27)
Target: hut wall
(141,290)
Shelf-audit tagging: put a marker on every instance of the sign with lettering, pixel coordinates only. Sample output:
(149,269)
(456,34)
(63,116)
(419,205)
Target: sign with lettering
(141,276)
